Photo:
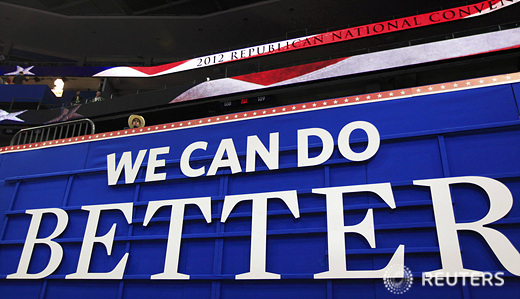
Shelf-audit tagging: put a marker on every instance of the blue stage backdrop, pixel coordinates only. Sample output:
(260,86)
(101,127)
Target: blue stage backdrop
(415,197)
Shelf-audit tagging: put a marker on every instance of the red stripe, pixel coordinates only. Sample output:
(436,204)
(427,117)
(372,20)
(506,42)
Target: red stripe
(278,75)
(153,70)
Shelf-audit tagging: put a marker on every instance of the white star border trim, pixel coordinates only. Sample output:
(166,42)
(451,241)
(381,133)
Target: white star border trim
(294,108)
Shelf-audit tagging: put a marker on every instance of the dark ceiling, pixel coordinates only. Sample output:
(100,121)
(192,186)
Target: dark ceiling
(135,7)
(161,31)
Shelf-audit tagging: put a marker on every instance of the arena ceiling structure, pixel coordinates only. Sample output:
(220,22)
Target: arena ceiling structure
(135,7)
(161,31)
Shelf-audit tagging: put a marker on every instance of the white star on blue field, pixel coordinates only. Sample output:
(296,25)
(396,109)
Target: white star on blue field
(26,71)
(11,116)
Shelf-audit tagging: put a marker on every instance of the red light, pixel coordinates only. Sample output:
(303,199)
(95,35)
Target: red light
(243,101)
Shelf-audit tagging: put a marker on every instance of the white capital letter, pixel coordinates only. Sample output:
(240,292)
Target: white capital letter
(500,203)
(173,247)
(31,240)
(336,230)
(270,158)
(153,163)
(185,159)
(344,141)
(303,147)
(90,238)
(126,163)
(259,227)
(225,146)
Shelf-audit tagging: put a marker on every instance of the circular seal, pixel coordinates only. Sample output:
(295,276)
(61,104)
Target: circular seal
(398,285)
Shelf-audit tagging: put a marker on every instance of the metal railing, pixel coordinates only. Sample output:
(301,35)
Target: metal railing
(55,131)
